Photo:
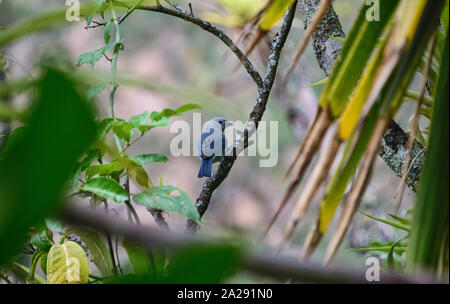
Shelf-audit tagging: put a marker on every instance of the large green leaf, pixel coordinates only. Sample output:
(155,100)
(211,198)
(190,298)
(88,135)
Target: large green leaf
(105,169)
(94,56)
(95,90)
(161,119)
(42,240)
(106,188)
(105,126)
(139,259)
(202,264)
(159,197)
(431,211)
(210,264)
(54,225)
(354,56)
(140,120)
(35,169)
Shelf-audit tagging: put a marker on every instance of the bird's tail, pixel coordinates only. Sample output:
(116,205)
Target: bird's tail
(205,168)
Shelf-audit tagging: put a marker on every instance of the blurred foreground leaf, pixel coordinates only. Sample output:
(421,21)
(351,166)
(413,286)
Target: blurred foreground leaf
(35,168)
(205,264)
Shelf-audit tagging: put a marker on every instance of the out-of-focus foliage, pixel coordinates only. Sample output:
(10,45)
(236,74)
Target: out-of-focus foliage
(37,163)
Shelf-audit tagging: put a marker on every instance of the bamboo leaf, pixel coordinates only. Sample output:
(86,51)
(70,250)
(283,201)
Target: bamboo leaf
(388,222)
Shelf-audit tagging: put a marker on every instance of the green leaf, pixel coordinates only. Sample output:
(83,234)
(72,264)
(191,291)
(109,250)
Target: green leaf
(93,91)
(91,156)
(161,119)
(123,130)
(105,126)
(42,240)
(97,7)
(67,264)
(431,211)
(187,107)
(138,174)
(200,264)
(159,197)
(138,257)
(105,169)
(390,223)
(98,251)
(353,58)
(210,264)
(43,262)
(148,158)
(34,171)
(54,225)
(15,137)
(94,56)
(34,260)
(140,120)
(158,120)
(106,188)
(135,171)
(25,271)
(318,83)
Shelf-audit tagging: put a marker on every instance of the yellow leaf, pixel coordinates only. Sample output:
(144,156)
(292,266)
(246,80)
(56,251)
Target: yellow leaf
(67,264)
(240,12)
(353,110)
(273,13)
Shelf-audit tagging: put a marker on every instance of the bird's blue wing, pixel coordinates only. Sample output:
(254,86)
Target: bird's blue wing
(202,138)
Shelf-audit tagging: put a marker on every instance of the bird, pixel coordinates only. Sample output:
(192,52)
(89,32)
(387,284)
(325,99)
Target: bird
(212,144)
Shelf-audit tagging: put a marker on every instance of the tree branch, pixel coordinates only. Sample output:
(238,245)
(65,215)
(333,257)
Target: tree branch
(265,264)
(395,141)
(241,142)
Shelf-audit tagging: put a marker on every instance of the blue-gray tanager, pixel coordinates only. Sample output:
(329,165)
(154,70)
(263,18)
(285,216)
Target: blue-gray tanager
(212,143)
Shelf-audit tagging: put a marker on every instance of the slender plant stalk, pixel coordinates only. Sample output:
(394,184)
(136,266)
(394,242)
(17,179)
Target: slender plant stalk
(114,85)
(416,120)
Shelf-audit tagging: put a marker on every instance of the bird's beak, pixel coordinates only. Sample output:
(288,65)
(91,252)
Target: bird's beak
(228,124)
